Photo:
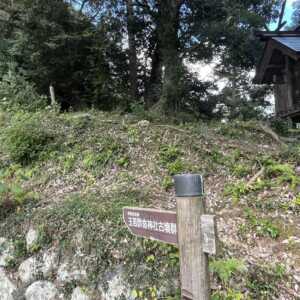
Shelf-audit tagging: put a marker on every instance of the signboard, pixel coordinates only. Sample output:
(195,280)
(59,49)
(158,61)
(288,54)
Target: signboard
(154,224)
(209,234)
(161,225)
(191,229)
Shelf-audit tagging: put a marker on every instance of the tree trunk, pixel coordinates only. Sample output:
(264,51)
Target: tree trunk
(132,50)
(154,85)
(169,41)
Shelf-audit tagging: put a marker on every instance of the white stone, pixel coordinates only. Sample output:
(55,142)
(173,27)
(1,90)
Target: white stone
(79,294)
(297,170)
(7,288)
(49,263)
(291,239)
(28,270)
(42,290)
(6,252)
(31,238)
(143,123)
(116,289)
(297,278)
(68,272)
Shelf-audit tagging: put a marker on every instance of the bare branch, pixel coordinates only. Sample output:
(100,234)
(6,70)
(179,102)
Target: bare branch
(83,3)
(280,23)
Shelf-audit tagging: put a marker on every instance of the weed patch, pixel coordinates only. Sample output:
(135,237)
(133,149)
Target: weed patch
(263,281)
(261,226)
(12,195)
(226,269)
(170,158)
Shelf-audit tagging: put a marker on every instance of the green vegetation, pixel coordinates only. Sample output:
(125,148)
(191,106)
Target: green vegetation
(26,138)
(170,158)
(263,280)
(284,173)
(87,170)
(68,168)
(18,94)
(12,195)
(225,269)
(228,295)
(236,190)
(167,183)
(261,226)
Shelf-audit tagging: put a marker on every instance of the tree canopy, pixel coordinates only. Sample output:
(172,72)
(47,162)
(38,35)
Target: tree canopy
(118,53)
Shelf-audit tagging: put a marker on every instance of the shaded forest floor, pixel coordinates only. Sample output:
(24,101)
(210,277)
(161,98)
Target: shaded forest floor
(95,163)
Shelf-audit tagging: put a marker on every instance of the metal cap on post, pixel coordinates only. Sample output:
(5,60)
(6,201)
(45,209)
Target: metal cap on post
(189,185)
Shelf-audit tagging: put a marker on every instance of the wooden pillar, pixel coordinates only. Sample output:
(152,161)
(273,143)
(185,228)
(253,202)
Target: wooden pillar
(289,77)
(52,95)
(193,261)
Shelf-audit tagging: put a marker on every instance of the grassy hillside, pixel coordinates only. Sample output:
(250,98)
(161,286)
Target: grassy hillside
(71,173)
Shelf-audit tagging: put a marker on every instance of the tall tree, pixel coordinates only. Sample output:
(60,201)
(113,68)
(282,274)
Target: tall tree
(132,49)
(52,43)
(169,13)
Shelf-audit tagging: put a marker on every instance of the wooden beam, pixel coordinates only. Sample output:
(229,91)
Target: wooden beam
(264,62)
(273,66)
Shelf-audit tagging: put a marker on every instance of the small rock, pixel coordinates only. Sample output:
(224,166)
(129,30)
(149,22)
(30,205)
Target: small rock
(29,270)
(143,124)
(116,289)
(78,241)
(31,238)
(297,278)
(79,294)
(42,290)
(68,272)
(6,252)
(297,170)
(292,239)
(49,263)
(7,288)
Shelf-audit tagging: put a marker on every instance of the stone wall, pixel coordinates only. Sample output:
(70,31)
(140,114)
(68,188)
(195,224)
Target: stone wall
(47,275)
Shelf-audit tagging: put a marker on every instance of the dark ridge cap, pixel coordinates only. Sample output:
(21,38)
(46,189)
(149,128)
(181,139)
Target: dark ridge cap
(265,35)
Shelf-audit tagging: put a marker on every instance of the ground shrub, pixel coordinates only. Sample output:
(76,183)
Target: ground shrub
(229,294)
(170,158)
(240,170)
(263,281)
(167,183)
(284,173)
(12,197)
(109,151)
(225,269)
(291,153)
(236,190)
(26,138)
(263,227)
(280,126)
(169,154)
(17,93)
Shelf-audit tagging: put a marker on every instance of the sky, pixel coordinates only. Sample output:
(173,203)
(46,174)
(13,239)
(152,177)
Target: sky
(288,13)
(289,9)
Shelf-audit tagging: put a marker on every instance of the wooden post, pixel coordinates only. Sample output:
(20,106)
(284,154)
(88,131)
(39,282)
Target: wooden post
(193,261)
(52,95)
(290,84)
